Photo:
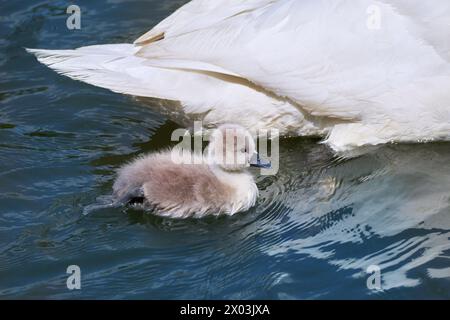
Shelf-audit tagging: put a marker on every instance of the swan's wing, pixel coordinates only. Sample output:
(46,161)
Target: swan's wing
(207,97)
(324,55)
(428,20)
(199,14)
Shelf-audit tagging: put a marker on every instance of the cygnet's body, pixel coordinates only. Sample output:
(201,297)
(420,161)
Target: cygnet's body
(210,187)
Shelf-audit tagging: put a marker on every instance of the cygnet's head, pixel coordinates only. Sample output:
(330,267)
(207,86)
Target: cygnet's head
(232,148)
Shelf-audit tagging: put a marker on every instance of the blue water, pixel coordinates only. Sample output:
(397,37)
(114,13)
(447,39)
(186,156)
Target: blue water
(317,227)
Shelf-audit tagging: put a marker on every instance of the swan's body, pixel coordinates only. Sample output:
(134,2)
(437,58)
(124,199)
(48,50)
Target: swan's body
(305,67)
(204,186)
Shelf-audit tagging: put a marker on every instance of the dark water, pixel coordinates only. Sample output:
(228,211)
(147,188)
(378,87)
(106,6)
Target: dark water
(319,224)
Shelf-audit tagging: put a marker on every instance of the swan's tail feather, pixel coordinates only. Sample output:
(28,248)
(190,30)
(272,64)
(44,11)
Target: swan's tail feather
(103,66)
(202,96)
(117,68)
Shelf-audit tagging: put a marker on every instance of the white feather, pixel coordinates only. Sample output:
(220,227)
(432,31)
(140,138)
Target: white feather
(305,67)
(216,100)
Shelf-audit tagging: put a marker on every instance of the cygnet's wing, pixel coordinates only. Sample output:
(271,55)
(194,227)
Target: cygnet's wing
(132,196)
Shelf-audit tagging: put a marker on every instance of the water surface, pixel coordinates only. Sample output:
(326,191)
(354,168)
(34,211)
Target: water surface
(317,227)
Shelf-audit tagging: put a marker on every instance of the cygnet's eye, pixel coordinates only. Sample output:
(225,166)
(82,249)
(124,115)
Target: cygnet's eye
(244,150)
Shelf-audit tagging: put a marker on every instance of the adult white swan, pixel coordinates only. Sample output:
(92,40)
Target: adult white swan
(356,72)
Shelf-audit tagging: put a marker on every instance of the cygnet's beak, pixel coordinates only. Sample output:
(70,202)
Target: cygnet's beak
(256,162)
